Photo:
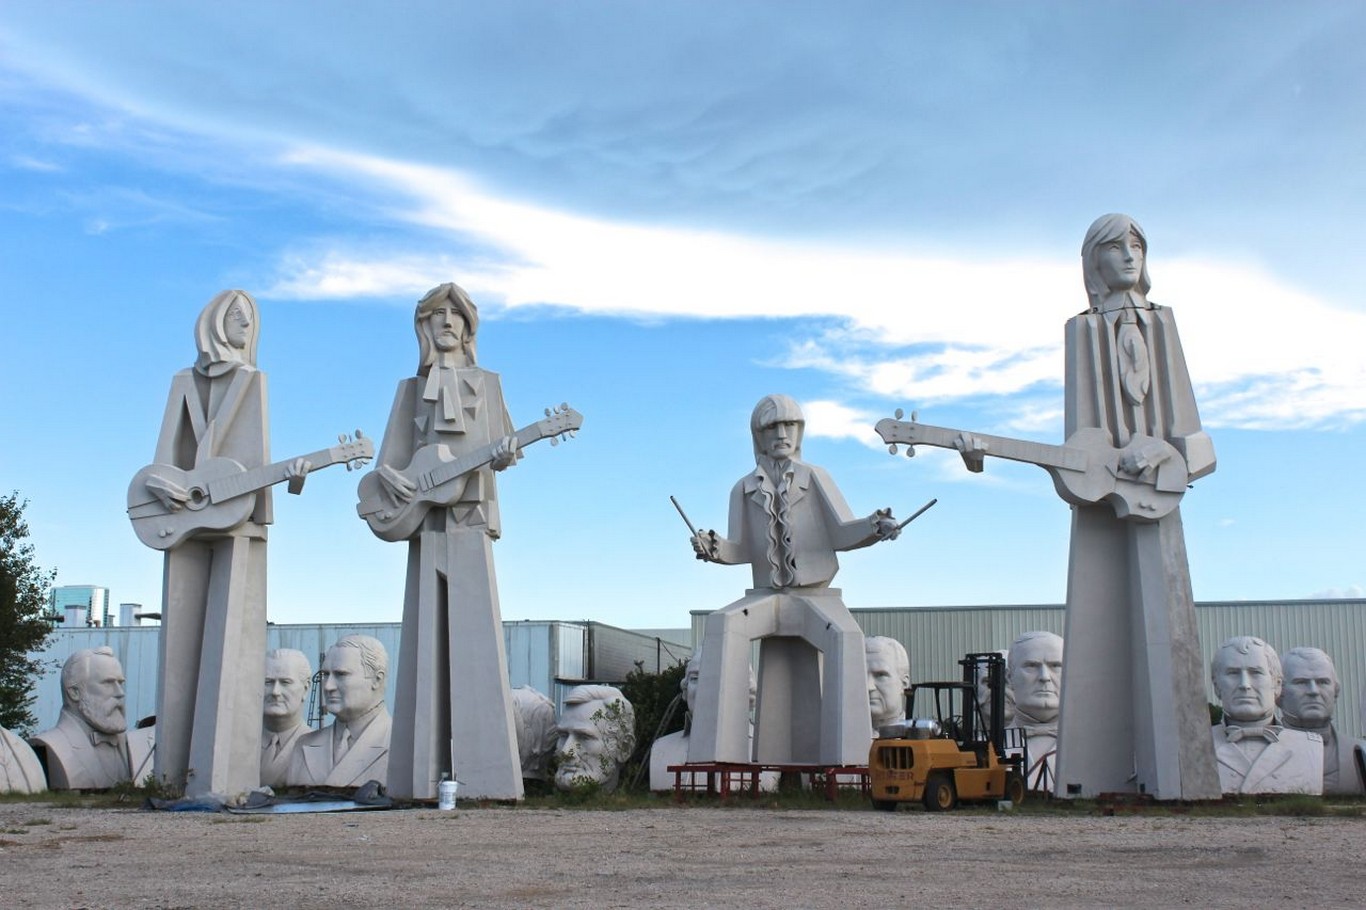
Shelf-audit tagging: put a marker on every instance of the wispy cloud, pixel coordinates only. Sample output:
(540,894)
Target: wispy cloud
(911,328)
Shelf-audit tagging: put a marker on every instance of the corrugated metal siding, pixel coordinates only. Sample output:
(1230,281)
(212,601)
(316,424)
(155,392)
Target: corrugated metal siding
(616,652)
(936,637)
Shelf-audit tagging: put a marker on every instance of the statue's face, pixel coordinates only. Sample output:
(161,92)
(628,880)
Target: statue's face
(1308,692)
(347,692)
(285,689)
(1119,262)
(690,683)
(779,440)
(1036,677)
(237,326)
(582,753)
(447,327)
(1247,689)
(885,688)
(102,695)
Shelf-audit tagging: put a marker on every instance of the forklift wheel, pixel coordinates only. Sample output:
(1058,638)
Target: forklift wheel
(1015,788)
(939,793)
(884,805)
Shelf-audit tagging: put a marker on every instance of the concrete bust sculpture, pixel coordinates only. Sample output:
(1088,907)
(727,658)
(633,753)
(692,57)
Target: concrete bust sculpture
(1034,676)
(1309,697)
(788,521)
(289,676)
(89,748)
(537,732)
(20,770)
(1255,754)
(354,749)
(889,675)
(597,736)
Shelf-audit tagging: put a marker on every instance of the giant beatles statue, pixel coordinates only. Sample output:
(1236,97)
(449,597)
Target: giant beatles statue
(206,502)
(788,521)
(1133,714)
(433,486)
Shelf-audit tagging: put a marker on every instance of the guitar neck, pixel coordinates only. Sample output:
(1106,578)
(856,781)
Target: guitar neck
(251,481)
(449,470)
(1037,453)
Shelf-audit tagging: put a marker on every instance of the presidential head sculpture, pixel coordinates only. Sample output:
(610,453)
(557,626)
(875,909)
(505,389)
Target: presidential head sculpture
(92,689)
(227,333)
(1309,689)
(537,732)
(289,676)
(777,426)
(1114,260)
(1034,673)
(446,321)
(1247,677)
(889,675)
(353,675)
(597,736)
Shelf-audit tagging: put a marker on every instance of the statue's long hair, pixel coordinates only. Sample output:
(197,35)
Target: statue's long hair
(427,350)
(1103,230)
(216,355)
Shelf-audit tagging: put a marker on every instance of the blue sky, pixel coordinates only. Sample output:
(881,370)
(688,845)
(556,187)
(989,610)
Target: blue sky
(665,211)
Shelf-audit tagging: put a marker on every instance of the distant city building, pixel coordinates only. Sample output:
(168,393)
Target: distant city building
(81,606)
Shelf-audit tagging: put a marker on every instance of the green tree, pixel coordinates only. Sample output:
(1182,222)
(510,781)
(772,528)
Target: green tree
(651,695)
(24,624)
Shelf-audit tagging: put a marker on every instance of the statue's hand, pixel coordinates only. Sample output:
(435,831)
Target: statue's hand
(296,472)
(505,453)
(972,449)
(884,525)
(1137,459)
(398,486)
(170,494)
(704,546)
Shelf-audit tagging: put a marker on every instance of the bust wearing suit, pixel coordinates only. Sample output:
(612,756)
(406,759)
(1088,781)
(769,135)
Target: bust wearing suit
(355,748)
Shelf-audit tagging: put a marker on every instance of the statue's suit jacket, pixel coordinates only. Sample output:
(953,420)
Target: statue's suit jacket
(1293,764)
(367,759)
(275,768)
(72,762)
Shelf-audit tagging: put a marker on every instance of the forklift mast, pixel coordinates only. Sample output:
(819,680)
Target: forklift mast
(991,666)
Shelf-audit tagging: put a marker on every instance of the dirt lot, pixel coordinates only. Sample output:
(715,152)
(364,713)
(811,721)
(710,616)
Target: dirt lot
(672,856)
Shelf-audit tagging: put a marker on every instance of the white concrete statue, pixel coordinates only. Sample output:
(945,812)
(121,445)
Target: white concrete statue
(1309,697)
(787,520)
(91,747)
(206,502)
(1134,442)
(537,732)
(354,748)
(1255,754)
(1034,676)
(889,675)
(597,736)
(448,433)
(20,770)
(289,676)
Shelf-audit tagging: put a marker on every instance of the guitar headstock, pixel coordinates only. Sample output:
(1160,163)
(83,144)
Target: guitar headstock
(562,422)
(355,452)
(899,432)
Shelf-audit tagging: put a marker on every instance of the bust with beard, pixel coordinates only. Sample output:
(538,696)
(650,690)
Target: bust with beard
(90,748)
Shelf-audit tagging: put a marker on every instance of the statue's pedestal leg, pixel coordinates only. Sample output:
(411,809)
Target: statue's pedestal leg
(453,694)
(1133,715)
(212,729)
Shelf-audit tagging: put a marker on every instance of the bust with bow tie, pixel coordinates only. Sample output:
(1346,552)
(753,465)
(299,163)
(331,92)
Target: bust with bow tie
(1256,754)
(89,748)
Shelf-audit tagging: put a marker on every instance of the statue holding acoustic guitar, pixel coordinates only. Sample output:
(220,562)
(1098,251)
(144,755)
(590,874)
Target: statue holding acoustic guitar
(433,486)
(1133,716)
(205,501)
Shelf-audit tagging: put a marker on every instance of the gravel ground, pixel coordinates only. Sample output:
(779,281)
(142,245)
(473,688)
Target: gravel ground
(674,856)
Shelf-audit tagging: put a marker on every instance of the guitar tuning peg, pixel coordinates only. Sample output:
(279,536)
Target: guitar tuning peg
(915,416)
(341,437)
(891,449)
(564,406)
(910,451)
(359,434)
(547,412)
(554,440)
(899,413)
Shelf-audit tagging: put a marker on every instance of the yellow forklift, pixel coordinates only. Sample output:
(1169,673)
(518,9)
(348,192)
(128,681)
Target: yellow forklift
(955,755)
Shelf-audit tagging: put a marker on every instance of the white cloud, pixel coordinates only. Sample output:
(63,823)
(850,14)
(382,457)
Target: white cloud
(915,328)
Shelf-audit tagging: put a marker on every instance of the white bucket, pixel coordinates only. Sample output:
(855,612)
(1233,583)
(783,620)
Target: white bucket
(445,794)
